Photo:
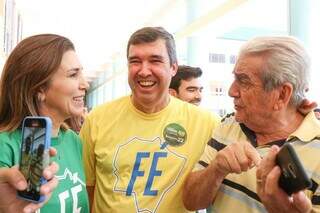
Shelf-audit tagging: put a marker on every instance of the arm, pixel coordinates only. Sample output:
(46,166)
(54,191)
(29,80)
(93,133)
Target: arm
(268,174)
(201,187)
(90,190)
(306,106)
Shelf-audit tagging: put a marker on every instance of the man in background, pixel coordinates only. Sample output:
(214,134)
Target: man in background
(186,84)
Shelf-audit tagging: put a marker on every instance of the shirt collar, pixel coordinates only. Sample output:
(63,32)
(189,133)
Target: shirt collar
(308,130)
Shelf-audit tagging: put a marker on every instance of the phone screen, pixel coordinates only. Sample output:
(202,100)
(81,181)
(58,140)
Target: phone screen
(32,155)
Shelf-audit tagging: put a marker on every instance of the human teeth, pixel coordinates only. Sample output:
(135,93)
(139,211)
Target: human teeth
(78,98)
(146,83)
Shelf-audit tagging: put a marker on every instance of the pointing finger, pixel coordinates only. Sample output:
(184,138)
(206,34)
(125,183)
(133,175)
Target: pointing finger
(252,154)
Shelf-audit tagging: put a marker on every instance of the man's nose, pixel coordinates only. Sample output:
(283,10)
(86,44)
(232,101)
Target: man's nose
(145,69)
(198,94)
(233,90)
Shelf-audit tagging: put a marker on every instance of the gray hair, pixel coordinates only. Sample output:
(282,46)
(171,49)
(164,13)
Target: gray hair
(286,61)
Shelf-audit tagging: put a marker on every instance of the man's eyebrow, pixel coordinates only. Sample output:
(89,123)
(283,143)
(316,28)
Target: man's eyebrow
(156,56)
(132,58)
(241,75)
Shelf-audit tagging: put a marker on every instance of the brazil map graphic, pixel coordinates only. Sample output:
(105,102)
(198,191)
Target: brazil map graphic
(148,173)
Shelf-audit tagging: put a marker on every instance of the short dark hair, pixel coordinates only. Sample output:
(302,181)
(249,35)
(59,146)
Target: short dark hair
(316,110)
(151,34)
(184,73)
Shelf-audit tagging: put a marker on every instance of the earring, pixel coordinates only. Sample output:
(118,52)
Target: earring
(40,98)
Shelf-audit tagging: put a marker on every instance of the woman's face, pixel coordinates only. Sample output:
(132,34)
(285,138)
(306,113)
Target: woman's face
(65,94)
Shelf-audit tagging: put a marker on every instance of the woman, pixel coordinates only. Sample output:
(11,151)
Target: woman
(43,77)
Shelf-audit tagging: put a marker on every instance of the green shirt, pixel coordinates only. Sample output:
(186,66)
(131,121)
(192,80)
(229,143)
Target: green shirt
(71,194)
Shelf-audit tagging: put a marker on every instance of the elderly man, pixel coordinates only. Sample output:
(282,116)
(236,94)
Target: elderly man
(237,170)
(186,84)
(138,149)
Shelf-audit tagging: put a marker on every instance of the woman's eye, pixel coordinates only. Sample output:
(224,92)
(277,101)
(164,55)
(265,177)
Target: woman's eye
(73,74)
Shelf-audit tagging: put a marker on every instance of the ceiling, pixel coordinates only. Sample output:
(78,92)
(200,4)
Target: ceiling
(100,28)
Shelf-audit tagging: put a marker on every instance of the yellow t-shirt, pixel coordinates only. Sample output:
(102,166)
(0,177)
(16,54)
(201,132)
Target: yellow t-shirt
(138,161)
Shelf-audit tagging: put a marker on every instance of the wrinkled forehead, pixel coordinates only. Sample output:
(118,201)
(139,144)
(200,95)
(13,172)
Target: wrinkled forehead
(250,65)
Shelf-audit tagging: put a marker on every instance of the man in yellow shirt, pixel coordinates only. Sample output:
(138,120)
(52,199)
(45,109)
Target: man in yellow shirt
(138,149)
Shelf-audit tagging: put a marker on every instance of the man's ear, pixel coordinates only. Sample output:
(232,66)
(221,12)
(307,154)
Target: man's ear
(284,96)
(174,69)
(173,92)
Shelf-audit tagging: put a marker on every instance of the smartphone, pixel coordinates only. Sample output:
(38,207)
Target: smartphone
(34,155)
(293,176)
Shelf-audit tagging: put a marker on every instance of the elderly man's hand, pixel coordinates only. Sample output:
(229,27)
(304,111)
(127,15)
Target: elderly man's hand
(236,158)
(307,106)
(11,180)
(274,198)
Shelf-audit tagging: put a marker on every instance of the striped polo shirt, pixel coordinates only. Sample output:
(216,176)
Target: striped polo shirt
(238,191)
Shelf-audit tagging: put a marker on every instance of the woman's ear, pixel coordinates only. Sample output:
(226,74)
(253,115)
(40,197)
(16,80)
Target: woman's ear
(41,95)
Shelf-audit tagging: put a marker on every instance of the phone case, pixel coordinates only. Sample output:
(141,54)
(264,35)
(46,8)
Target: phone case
(293,176)
(37,158)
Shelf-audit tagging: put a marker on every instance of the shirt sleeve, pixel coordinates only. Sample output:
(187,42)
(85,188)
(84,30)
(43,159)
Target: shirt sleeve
(216,120)
(88,157)
(208,155)
(314,192)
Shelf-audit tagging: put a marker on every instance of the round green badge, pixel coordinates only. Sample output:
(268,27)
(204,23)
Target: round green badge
(174,135)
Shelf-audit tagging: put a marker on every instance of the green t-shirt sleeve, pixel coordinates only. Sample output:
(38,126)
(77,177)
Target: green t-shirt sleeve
(9,149)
